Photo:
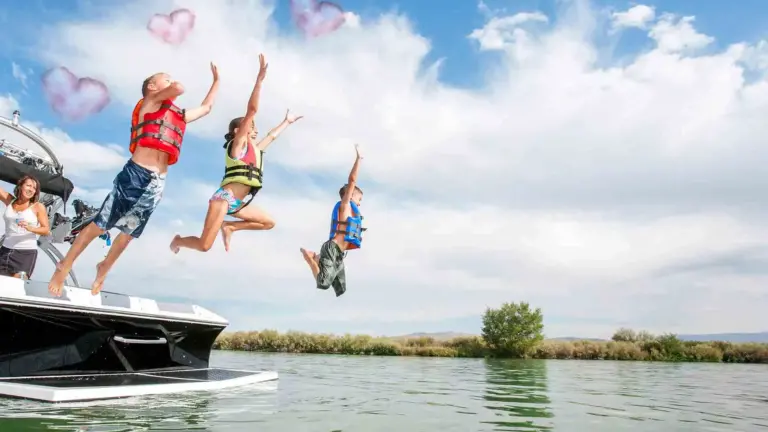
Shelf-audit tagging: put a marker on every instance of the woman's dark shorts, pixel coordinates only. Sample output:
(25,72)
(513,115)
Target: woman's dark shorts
(14,261)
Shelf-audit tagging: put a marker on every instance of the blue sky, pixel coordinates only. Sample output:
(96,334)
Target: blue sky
(570,136)
(446,28)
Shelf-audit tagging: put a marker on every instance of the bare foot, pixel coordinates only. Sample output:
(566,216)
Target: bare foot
(57,281)
(174,244)
(308,255)
(101,275)
(226,235)
(311,259)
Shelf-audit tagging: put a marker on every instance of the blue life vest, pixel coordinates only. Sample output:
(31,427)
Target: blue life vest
(353,226)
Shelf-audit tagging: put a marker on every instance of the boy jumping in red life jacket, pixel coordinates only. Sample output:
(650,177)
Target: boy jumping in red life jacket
(157,131)
(346,234)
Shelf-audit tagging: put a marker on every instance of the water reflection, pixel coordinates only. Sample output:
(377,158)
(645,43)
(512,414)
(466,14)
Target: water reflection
(516,393)
(178,412)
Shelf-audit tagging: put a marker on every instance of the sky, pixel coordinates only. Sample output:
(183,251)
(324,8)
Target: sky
(597,159)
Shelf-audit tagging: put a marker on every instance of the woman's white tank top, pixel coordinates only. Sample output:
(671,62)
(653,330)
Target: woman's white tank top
(17,237)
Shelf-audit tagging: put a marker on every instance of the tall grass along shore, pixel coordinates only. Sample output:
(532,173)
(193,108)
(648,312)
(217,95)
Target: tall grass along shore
(649,347)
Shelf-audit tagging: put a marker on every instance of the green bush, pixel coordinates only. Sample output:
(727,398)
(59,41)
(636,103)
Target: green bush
(703,353)
(513,330)
(629,335)
(624,335)
(468,346)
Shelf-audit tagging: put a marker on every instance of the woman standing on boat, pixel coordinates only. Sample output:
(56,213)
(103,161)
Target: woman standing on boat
(25,219)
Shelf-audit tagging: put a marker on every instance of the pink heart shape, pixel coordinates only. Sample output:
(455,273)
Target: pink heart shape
(174,28)
(317,18)
(71,97)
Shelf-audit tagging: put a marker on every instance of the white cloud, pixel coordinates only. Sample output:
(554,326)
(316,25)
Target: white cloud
(637,16)
(500,32)
(19,74)
(351,19)
(92,197)
(675,36)
(81,159)
(8,104)
(483,8)
(755,57)
(606,195)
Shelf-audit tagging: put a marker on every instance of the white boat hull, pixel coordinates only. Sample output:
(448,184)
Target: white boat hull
(75,388)
(80,347)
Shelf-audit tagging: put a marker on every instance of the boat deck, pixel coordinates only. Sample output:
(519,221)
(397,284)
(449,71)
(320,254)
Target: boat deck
(35,293)
(83,387)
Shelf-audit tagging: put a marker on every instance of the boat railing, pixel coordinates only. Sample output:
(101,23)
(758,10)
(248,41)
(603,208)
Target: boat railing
(63,229)
(13,124)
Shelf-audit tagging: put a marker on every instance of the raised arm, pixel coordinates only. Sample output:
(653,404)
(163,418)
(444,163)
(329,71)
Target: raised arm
(352,180)
(204,109)
(277,130)
(5,196)
(171,92)
(251,109)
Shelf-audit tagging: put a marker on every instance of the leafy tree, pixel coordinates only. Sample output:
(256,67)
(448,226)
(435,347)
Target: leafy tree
(512,330)
(644,336)
(668,345)
(624,335)
(629,335)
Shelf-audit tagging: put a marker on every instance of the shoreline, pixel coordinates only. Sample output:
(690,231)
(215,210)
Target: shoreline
(665,348)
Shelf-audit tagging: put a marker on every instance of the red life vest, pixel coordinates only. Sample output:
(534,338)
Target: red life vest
(160,130)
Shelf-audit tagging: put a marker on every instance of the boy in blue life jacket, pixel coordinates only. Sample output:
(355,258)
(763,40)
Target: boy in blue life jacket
(346,234)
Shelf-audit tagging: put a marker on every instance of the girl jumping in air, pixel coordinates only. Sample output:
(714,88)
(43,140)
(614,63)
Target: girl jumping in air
(242,178)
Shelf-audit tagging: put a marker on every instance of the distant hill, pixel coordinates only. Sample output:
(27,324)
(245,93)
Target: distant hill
(438,336)
(761,337)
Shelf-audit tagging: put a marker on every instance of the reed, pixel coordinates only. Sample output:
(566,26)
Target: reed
(650,348)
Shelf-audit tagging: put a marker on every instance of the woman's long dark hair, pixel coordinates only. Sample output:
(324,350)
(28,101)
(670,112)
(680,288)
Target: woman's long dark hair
(17,189)
(234,124)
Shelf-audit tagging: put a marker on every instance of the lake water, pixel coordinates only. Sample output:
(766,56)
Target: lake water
(400,394)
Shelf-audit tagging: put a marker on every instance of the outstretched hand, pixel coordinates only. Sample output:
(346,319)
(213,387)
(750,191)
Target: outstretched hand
(263,65)
(215,72)
(357,150)
(290,118)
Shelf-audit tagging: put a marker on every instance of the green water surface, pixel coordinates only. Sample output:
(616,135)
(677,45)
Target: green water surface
(401,394)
